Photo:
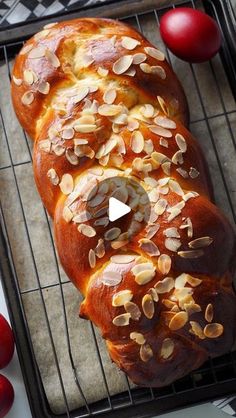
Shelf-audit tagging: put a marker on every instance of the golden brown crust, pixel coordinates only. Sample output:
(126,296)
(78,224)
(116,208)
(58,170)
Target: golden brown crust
(108,116)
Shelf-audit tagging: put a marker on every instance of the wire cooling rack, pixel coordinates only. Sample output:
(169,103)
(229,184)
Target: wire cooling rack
(213,119)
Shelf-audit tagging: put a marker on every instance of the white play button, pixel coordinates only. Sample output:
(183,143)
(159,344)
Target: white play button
(117,209)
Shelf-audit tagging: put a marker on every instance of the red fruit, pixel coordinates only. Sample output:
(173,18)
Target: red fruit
(6,396)
(190,34)
(6,342)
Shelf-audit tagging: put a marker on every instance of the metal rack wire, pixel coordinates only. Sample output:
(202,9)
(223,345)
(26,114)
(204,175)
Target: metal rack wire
(218,375)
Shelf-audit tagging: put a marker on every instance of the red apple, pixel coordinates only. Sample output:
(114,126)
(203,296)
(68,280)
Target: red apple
(6,396)
(6,342)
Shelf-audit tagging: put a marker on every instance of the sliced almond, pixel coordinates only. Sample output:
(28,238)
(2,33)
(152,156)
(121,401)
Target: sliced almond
(192,308)
(109,110)
(17,81)
(162,104)
(213,330)
(141,267)
(82,217)
(129,43)
(160,206)
(172,244)
(58,150)
(87,230)
(112,234)
(109,96)
(196,329)
(122,64)
(50,25)
(131,72)
(181,281)
(166,168)
(27,98)
(122,320)
(189,195)
(189,226)
(52,58)
(148,306)
(181,142)
(103,72)
(149,247)
(67,184)
(137,142)
(146,352)
(167,348)
(82,93)
(164,122)
(144,277)
(45,145)
(209,313)
(67,214)
(178,321)
(164,263)
(182,172)
(44,87)
(191,253)
(193,173)
(154,53)
(175,187)
(67,133)
(71,157)
(92,258)
(133,310)
(85,128)
(200,242)
(52,175)
(26,49)
(139,58)
(165,285)
(171,232)
(120,298)
(29,76)
(193,281)
(158,130)
(177,158)
(153,293)
(122,258)
(137,337)
(87,60)
(111,278)
(168,303)
(148,69)
(37,52)
(152,230)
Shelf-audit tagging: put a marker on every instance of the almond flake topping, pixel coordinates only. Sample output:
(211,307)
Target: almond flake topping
(122,258)
(193,173)
(164,122)
(158,130)
(111,278)
(133,310)
(209,313)
(87,230)
(153,293)
(109,96)
(67,184)
(122,320)
(151,230)
(45,145)
(137,142)
(172,244)
(191,253)
(109,110)
(182,172)
(165,285)
(129,43)
(139,58)
(164,263)
(52,175)
(27,98)
(178,321)
(67,133)
(154,53)
(120,298)
(52,58)
(144,277)
(181,142)
(92,258)
(44,87)
(149,247)
(148,69)
(200,242)
(82,217)
(67,214)
(29,76)
(163,106)
(177,158)
(25,49)
(160,206)
(141,267)
(17,81)
(112,234)
(131,72)
(137,337)
(37,52)
(167,348)
(189,226)
(103,72)
(148,306)
(213,330)
(196,329)
(171,233)
(122,64)
(146,353)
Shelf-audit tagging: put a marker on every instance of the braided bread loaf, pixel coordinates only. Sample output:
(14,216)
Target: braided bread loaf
(108,118)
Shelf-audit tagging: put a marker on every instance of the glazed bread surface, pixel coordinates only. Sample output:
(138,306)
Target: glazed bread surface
(109,119)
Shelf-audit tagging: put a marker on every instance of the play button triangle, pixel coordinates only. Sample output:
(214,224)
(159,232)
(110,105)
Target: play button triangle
(117,209)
